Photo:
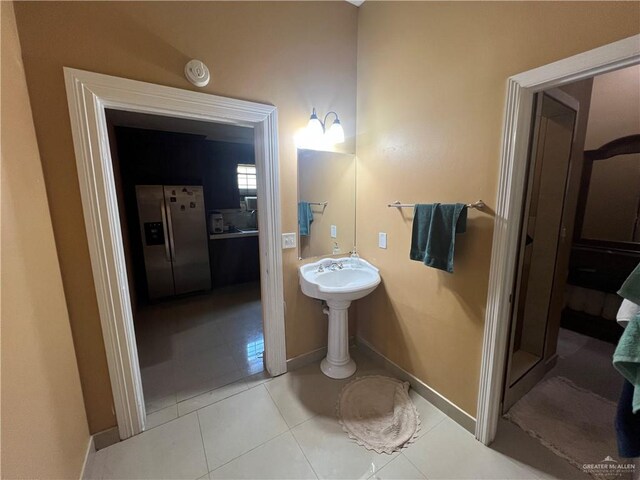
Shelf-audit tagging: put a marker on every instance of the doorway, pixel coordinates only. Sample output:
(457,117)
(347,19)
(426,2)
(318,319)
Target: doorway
(542,243)
(192,256)
(521,90)
(560,384)
(90,95)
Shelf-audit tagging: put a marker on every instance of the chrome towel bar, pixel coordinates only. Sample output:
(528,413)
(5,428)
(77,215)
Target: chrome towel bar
(478,205)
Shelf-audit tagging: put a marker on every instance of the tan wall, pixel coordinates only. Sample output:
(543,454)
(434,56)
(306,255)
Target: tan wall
(615,114)
(295,55)
(328,177)
(431,92)
(44,427)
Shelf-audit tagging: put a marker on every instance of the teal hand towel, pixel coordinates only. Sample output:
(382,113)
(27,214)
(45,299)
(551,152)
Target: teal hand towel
(631,287)
(434,232)
(626,358)
(305,218)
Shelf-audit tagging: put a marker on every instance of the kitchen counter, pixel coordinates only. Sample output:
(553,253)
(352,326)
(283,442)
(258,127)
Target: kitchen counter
(243,234)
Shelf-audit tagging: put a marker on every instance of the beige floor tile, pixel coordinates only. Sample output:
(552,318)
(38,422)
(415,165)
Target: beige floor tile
(332,454)
(448,451)
(279,458)
(173,450)
(430,416)
(257,379)
(238,424)
(198,383)
(400,468)
(305,393)
(161,416)
(213,396)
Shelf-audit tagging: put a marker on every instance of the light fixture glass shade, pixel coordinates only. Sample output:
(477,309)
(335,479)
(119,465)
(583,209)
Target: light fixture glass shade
(314,128)
(336,132)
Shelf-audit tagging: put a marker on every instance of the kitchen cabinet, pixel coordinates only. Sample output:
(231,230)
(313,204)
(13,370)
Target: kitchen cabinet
(234,260)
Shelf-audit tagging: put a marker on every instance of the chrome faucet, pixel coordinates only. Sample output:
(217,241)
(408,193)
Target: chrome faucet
(330,266)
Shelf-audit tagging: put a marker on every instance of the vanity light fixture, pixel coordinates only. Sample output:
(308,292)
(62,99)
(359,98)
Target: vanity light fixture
(316,136)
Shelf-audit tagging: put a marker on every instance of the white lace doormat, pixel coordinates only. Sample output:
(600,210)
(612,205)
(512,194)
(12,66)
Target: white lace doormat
(378,414)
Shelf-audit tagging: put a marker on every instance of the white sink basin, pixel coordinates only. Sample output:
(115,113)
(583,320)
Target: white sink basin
(338,282)
(335,283)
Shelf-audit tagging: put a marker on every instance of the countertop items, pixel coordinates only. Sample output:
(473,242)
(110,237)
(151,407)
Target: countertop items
(234,234)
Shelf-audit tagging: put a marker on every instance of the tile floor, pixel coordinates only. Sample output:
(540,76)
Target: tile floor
(197,350)
(286,428)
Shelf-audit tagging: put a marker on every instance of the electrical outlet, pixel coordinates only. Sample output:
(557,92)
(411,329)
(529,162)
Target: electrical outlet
(334,231)
(288,240)
(382,240)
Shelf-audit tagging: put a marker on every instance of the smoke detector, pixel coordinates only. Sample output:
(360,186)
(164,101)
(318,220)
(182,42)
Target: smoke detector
(197,73)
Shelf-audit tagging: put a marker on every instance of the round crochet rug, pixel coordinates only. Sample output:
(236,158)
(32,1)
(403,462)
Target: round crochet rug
(378,414)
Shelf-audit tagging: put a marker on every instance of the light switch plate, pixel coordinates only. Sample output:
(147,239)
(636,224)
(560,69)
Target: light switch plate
(382,240)
(334,231)
(288,240)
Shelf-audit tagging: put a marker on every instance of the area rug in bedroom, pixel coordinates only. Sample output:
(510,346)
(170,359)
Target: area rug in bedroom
(575,423)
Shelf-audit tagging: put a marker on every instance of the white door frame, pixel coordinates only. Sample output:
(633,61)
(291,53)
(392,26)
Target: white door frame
(89,94)
(511,190)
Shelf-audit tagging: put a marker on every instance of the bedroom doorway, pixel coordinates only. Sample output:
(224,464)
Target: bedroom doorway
(579,241)
(519,105)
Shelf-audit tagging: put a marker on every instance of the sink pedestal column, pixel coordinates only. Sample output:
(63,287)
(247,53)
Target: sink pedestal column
(338,363)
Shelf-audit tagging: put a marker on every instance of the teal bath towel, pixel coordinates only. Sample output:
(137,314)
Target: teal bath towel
(434,233)
(626,358)
(305,218)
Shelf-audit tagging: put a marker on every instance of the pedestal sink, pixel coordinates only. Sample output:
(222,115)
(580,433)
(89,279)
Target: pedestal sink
(338,282)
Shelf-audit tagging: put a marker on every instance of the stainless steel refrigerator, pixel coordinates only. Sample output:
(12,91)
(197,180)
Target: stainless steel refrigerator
(175,240)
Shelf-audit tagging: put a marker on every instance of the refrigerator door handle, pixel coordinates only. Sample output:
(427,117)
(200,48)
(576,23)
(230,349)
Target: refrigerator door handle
(170,233)
(163,210)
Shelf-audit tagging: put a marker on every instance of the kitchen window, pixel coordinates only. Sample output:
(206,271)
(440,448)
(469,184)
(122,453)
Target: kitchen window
(247,179)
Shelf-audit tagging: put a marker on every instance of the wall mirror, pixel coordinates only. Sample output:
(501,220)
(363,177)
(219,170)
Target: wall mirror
(609,202)
(326,203)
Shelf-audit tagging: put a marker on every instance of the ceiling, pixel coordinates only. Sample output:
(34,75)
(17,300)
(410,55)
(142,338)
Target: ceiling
(218,132)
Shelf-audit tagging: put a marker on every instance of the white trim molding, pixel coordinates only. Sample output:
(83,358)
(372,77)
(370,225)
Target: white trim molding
(89,95)
(511,189)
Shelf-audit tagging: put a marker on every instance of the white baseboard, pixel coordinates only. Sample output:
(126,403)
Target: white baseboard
(306,358)
(89,457)
(439,401)
(310,357)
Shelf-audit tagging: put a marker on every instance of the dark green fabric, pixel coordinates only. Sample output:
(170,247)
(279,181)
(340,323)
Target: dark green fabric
(434,233)
(631,287)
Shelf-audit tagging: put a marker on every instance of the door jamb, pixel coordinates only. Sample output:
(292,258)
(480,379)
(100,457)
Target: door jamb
(515,142)
(89,95)
(544,364)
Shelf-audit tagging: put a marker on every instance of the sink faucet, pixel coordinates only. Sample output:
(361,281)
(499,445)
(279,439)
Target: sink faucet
(333,266)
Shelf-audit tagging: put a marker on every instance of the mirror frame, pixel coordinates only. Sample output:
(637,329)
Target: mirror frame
(619,146)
